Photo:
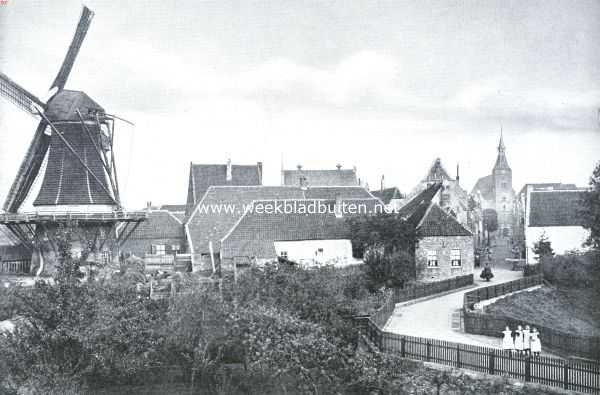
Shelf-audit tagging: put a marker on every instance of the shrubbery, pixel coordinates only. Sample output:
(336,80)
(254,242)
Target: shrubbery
(572,269)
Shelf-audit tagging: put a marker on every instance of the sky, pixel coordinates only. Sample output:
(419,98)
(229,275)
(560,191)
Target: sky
(385,86)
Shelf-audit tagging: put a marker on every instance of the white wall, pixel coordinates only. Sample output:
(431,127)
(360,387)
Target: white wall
(336,252)
(562,239)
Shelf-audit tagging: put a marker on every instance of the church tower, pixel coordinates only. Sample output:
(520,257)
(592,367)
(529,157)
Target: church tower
(503,190)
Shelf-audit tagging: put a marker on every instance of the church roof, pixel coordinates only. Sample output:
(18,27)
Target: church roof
(501,161)
(485,186)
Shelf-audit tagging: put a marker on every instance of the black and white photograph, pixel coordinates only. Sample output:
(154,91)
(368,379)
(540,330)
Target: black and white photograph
(286,197)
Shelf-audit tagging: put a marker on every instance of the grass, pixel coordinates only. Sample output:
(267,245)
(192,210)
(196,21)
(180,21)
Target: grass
(571,310)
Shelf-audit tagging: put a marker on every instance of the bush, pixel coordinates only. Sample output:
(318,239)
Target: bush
(392,270)
(572,269)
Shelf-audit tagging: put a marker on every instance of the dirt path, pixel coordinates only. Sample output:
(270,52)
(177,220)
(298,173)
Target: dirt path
(439,318)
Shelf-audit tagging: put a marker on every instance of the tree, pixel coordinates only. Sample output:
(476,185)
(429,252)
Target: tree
(490,222)
(387,232)
(392,270)
(543,246)
(590,213)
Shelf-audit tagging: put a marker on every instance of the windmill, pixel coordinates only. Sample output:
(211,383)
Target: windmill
(72,154)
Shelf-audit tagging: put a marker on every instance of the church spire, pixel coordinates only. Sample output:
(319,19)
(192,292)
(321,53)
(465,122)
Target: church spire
(501,161)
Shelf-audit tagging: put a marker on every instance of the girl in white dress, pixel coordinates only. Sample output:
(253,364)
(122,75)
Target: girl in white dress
(519,339)
(536,344)
(527,340)
(507,342)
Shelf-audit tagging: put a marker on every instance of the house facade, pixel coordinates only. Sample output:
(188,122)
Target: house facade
(445,248)
(556,215)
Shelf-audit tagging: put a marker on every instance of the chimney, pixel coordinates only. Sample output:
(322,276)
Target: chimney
(303,183)
(148,206)
(299,167)
(382,182)
(339,167)
(260,174)
(229,175)
(457,175)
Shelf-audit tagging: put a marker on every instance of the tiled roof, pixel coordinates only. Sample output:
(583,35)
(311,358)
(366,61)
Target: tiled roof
(556,208)
(203,176)
(437,222)
(207,225)
(159,225)
(485,185)
(414,210)
(387,194)
(548,186)
(5,237)
(173,208)
(66,181)
(328,177)
(254,234)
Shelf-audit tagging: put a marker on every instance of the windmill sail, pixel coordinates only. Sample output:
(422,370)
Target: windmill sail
(82,28)
(17,95)
(29,169)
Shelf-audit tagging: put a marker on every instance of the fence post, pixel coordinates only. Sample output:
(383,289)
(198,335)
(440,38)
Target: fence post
(428,356)
(527,368)
(458,356)
(566,375)
(403,347)
(491,364)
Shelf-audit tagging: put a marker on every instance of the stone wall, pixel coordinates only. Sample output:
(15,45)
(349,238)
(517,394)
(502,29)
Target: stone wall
(443,245)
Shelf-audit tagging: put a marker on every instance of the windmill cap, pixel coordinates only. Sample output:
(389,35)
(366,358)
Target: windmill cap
(64,105)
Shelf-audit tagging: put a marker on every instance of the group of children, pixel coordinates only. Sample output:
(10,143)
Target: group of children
(524,341)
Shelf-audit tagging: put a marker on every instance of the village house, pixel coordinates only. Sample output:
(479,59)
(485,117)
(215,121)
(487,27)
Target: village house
(445,246)
(202,176)
(14,256)
(157,240)
(222,207)
(305,237)
(392,198)
(319,178)
(552,211)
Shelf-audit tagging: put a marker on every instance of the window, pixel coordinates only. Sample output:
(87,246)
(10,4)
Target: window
(504,185)
(158,249)
(455,258)
(432,260)
(176,247)
(283,254)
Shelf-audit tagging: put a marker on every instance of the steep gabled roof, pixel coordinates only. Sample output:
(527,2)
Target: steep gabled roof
(437,173)
(386,195)
(556,208)
(254,235)
(501,161)
(203,176)
(328,177)
(437,222)
(207,224)
(414,210)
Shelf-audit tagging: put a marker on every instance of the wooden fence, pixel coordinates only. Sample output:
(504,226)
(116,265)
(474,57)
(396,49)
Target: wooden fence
(478,322)
(573,375)
(15,266)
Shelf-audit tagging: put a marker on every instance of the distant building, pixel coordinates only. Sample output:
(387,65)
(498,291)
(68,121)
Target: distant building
(453,199)
(319,178)
(207,227)
(495,192)
(554,212)
(158,239)
(392,198)
(14,256)
(445,248)
(308,239)
(203,176)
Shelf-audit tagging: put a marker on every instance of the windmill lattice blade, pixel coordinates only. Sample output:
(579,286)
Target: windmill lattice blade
(82,27)
(29,169)
(17,95)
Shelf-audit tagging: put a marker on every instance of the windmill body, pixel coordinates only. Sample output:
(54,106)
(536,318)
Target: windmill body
(79,183)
